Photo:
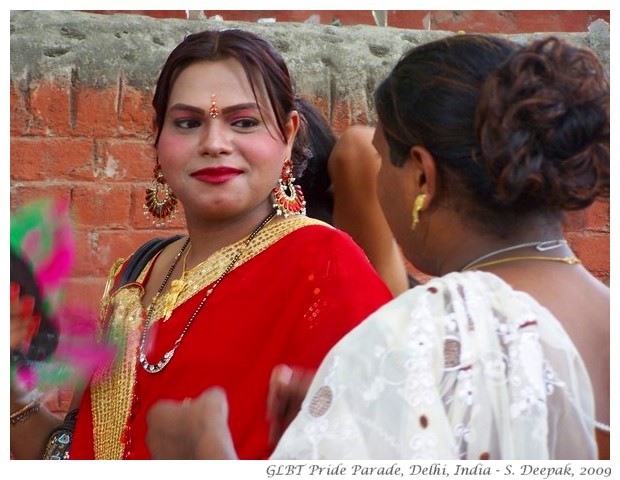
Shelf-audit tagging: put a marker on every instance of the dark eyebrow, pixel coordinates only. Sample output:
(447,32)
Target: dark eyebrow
(225,110)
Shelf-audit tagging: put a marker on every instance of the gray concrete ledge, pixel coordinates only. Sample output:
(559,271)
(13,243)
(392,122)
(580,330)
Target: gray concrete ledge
(325,61)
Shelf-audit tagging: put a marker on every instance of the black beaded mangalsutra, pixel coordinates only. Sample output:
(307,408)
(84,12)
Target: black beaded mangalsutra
(159,366)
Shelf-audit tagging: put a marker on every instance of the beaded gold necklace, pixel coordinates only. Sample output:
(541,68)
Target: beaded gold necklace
(159,366)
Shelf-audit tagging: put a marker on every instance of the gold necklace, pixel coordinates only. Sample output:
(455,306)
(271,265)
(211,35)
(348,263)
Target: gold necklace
(170,298)
(159,366)
(568,260)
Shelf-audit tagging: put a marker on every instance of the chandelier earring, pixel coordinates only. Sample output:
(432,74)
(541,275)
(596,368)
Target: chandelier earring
(417,207)
(160,201)
(288,198)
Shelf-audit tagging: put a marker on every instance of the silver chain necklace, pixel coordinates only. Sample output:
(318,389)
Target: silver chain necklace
(159,366)
(541,246)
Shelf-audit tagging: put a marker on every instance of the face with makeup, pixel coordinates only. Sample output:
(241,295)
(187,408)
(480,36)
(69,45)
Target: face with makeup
(225,165)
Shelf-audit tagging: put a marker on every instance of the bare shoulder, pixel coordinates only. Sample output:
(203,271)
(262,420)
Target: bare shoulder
(354,140)
(355,134)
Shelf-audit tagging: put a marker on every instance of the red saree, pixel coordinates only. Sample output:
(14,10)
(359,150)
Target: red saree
(289,303)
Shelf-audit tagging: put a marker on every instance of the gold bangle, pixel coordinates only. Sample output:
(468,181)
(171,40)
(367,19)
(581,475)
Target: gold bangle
(25,412)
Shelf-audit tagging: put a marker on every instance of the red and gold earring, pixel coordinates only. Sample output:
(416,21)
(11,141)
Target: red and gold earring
(288,198)
(163,210)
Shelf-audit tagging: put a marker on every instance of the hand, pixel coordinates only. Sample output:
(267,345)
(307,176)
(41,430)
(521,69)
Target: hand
(287,390)
(24,323)
(191,429)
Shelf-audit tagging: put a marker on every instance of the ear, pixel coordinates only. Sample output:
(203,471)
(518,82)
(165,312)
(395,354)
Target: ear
(154,128)
(292,125)
(423,171)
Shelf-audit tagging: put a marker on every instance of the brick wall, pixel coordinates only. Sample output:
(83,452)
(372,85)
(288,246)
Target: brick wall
(485,21)
(90,141)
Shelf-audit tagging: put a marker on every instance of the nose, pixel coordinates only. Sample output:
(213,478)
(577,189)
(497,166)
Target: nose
(215,139)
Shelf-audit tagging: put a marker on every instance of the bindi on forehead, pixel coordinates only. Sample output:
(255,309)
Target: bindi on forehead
(214,111)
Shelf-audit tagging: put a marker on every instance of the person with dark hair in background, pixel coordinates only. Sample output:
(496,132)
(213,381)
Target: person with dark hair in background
(485,143)
(340,186)
(25,310)
(315,181)
(33,339)
(255,284)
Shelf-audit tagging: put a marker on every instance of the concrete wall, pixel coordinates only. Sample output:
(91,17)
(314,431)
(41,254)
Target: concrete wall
(81,86)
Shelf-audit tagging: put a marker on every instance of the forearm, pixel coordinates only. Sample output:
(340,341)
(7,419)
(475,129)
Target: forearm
(29,435)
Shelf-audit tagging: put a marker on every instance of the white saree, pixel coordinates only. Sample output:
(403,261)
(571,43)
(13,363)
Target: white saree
(463,367)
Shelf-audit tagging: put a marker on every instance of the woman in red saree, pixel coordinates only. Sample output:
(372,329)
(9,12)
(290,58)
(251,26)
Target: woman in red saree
(253,285)
(270,310)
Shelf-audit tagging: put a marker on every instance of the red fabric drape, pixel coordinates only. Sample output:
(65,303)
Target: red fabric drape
(289,304)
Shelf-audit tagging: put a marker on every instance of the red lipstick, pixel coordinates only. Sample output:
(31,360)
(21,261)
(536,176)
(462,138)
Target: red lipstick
(216,175)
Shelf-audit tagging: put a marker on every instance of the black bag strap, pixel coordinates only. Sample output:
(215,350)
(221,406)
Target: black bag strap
(141,257)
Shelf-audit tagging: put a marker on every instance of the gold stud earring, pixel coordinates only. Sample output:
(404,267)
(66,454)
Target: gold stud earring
(417,207)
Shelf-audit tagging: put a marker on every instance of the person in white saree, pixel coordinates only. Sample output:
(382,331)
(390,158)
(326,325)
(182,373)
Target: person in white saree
(504,354)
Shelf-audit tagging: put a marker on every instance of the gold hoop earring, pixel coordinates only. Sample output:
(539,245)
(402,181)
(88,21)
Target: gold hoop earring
(417,207)
(165,210)
(288,199)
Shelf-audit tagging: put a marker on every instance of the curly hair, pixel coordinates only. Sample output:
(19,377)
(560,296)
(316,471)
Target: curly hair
(543,128)
(515,130)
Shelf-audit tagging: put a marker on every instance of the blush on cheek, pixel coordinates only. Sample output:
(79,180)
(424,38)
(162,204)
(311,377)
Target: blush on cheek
(171,147)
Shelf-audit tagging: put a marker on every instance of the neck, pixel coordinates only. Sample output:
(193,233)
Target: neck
(549,250)
(208,237)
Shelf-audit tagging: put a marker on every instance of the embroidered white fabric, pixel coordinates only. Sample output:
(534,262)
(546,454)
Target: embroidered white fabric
(463,367)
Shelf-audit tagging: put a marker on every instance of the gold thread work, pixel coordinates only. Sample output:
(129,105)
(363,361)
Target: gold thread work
(112,388)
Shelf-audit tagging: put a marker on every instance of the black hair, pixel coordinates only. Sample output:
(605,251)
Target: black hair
(315,181)
(515,130)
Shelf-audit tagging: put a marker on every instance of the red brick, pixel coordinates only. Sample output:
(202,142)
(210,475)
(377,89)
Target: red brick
(29,191)
(497,21)
(594,218)
(341,116)
(348,112)
(58,400)
(65,396)
(97,250)
(51,159)
(87,291)
(598,216)
(483,21)
(20,115)
(593,250)
(49,105)
(135,115)
(103,204)
(126,160)
(322,105)
(53,402)
(94,111)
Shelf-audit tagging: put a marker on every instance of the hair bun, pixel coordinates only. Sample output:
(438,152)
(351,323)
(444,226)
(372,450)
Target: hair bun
(543,127)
